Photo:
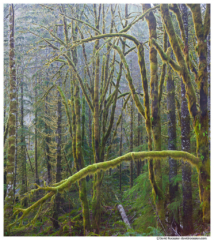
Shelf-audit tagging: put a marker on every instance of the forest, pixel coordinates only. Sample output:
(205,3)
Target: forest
(106,119)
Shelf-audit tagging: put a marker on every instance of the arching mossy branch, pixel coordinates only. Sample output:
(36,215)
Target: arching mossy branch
(107,35)
(97,167)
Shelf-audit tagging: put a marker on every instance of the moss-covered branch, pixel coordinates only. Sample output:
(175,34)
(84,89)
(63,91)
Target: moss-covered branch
(130,82)
(97,167)
(107,35)
(165,57)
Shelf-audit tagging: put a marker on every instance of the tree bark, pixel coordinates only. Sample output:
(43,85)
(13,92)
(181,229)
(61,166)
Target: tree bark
(171,117)
(23,145)
(131,142)
(12,122)
(185,144)
(155,112)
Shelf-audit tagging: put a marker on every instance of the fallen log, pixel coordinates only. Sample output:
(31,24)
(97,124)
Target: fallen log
(123,215)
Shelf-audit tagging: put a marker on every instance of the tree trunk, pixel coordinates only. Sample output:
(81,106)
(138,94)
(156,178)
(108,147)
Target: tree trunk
(123,215)
(139,141)
(35,138)
(23,145)
(58,199)
(171,117)
(155,112)
(121,147)
(131,141)
(12,122)
(185,145)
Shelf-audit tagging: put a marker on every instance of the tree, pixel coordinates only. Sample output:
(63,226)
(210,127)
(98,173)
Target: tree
(11,121)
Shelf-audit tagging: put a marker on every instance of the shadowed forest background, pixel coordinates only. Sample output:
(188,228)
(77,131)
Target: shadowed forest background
(106,119)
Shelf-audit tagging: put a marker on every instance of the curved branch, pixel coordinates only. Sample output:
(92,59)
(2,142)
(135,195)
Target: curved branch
(107,35)
(97,167)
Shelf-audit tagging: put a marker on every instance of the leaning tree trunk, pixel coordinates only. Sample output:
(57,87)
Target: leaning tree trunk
(12,122)
(185,144)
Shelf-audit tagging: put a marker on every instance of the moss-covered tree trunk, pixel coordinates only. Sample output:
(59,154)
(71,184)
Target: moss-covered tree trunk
(23,169)
(58,199)
(131,141)
(16,141)
(47,132)
(139,139)
(121,148)
(80,164)
(171,117)
(12,122)
(35,136)
(77,140)
(201,121)
(185,144)
(155,112)
(96,200)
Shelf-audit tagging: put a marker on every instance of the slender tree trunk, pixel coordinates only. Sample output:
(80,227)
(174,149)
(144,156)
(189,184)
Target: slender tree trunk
(47,132)
(16,142)
(185,145)
(171,117)
(77,144)
(131,142)
(80,165)
(23,145)
(121,147)
(35,140)
(139,141)
(208,73)
(96,201)
(58,199)
(12,122)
